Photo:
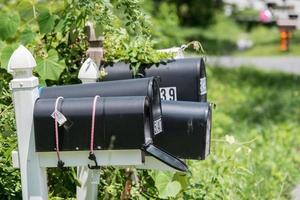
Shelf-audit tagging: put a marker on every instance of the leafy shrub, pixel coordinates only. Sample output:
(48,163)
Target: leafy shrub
(10,184)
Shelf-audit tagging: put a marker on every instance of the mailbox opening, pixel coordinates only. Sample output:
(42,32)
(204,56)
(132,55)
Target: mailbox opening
(187,129)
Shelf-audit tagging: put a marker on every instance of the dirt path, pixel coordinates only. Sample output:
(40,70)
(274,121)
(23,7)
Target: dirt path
(284,64)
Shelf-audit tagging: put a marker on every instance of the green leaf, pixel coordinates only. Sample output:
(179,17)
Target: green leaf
(183,179)
(9,24)
(45,21)
(27,36)
(6,53)
(171,190)
(2,45)
(25,9)
(165,185)
(50,67)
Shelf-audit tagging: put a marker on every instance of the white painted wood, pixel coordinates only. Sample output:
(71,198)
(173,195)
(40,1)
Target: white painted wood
(153,163)
(21,59)
(25,91)
(104,158)
(88,73)
(36,198)
(108,158)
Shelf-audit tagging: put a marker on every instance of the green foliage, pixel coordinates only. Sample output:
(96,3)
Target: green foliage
(254,142)
(62,183)
(50,67)
(9,21)
(55,34)
(27,36)
(136,52)
(6,53)
(166,29)
(10,185)
(194,12)
(46,21)
(166,186)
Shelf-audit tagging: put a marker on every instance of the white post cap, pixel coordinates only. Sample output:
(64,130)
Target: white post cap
(21,59)
(89,71)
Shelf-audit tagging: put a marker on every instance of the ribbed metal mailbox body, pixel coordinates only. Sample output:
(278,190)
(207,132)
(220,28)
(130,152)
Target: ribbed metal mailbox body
(120,123)
(116,126)
(135,87)
(186,121)
(181,79)
(187,128)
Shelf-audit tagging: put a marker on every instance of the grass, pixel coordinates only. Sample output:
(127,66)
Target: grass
(220,39)
(256,139)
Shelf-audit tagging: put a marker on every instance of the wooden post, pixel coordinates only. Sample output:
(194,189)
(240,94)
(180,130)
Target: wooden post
(95,50)
(88,73)
(25,91)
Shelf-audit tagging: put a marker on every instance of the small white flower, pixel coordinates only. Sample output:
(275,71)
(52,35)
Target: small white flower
(230,139)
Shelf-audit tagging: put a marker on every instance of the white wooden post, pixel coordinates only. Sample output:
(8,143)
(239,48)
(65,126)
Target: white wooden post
(89,73)
(25,91)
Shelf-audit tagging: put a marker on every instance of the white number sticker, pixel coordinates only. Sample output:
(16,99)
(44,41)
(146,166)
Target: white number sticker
(202,86)
(157,126)
(168,93)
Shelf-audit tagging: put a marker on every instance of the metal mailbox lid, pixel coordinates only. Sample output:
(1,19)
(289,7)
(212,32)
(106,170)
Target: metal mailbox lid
(121,123)
(186,76)
(187,129)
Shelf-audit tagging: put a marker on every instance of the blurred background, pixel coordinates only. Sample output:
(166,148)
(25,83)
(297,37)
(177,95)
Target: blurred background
(229,27)
(252,52)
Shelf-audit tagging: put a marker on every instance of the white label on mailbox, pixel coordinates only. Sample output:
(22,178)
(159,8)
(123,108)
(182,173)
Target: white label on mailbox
(208,130)
(202,86)
(157,126)
(168,93)
(61,119)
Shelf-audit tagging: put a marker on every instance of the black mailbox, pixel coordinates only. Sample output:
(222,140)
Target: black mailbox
(187,127)
(120,123)
(135,87)
(181,79)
